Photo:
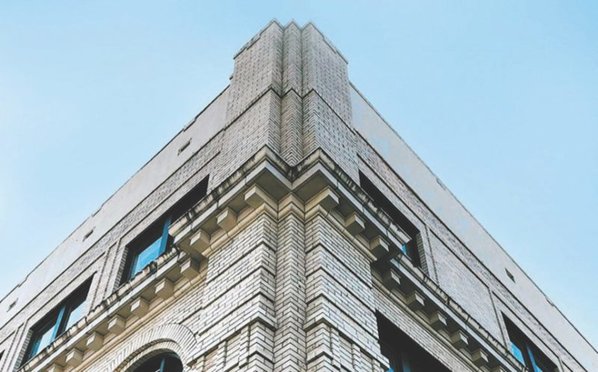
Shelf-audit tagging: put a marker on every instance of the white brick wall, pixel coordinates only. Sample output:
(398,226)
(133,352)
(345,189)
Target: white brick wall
(287,287)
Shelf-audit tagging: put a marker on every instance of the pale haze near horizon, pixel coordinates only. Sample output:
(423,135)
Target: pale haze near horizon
(500,99)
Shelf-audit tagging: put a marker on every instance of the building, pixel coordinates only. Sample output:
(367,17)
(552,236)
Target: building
(287,227)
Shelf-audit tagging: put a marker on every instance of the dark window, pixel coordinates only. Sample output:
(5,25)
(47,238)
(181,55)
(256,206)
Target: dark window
(382,202)
(69,312)
(526,352)
(510,275)
(184,147)
(166,362)
(154,241)
(88,234)
(404,354)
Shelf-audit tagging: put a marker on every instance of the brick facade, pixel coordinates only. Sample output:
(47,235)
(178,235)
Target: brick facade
(286,264)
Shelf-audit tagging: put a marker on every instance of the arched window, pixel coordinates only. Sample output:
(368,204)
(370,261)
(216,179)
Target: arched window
(165,362)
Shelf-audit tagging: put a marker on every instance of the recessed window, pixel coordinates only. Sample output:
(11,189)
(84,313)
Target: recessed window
(409,248)
(165,362)
(12,305)
(147,247)
(69,312)
(154,241)
(510,275)
(440,183)
(404,354)
(184,147)
(88,234)
(526,352)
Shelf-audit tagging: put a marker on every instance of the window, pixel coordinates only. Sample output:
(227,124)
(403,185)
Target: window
(510,275)
(154,241)
(526,352)
(165,362)
(87,234)
(69,312)
(404,354)
(184,147)
(382,202)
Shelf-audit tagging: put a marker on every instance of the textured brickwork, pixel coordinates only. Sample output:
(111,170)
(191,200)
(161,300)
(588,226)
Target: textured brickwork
(324,129)
(258,67)
(292,102)
(292,77)
(289,339)
(275,269)
(339,289)
(466,288)
(257,127)
(325,71)
(292,128)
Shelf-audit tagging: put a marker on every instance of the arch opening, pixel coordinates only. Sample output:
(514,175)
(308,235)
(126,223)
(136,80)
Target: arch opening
(163,362)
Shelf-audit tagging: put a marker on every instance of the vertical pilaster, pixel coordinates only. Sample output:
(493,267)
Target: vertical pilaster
(325,72)
(292,65)
(340,312)
(289,91)
(254,104)
(258,68)
(289,341)
(292,103)
(327,111)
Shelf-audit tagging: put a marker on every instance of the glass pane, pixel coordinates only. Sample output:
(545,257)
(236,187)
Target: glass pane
(146,256)
(74,315)
(41,339)
(517,353)
(404,249)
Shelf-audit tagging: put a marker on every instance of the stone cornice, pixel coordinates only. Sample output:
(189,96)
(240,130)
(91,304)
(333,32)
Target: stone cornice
(319,187)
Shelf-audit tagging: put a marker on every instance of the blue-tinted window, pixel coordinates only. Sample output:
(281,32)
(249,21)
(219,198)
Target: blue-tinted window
(42,338)
(146,256)
(526,352)
(154,241)
(75,312)
(147,249)
(517,353)
(69,312)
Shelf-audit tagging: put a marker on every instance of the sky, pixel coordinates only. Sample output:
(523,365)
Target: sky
(499,98)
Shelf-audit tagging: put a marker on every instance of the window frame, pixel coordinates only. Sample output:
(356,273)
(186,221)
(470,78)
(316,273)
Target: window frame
(159,230)
(533,358)
(143,242)
(409,249)
(56,320)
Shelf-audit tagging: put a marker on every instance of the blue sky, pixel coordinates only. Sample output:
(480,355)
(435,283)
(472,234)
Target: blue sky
(500,98)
